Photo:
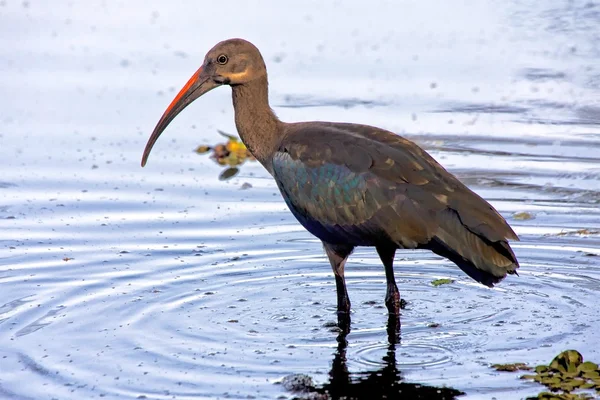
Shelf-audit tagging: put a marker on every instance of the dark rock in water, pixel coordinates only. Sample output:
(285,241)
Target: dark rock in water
(298,383)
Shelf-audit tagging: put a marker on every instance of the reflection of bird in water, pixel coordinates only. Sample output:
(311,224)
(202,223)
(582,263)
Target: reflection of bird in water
(354,185)
(384,383)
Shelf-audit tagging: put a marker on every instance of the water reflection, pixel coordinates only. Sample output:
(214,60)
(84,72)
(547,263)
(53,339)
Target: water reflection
(231,155)
(383,383)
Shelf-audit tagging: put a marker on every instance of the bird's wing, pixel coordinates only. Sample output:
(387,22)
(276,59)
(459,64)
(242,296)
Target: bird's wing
(349,175)
(474,212)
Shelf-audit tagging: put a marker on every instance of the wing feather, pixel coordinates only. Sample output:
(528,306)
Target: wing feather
(361,174)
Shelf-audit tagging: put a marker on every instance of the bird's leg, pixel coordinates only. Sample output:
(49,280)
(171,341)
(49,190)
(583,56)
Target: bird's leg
(392,295)
(338,254)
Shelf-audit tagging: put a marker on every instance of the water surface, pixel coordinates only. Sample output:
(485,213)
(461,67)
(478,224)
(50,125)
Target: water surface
(165,282)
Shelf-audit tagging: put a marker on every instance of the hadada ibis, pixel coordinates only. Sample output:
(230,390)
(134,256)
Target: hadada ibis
(354,185)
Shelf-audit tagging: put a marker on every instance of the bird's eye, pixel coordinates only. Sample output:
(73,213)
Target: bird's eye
(222,59)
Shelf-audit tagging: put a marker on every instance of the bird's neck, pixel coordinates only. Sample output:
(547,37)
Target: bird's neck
(257,124)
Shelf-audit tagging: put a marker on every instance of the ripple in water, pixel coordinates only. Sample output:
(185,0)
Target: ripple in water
(166,283)
(193,320)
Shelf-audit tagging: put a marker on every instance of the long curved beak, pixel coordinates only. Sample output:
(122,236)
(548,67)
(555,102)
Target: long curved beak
(198,84)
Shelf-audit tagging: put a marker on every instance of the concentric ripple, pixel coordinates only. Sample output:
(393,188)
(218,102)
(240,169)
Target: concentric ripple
(227,312)
(226,298)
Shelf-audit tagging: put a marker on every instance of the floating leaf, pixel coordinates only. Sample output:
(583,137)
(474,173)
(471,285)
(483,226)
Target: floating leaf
(227,135)
(551,381)
(587,366)
(511,367)
(203,149)
(577,382)
(579,232)
(445,281)
(523,216)
(220,150)
(588,385)
(593,375)
(540,369)
(235,146)
(228,173)
(233,160)
(567,361)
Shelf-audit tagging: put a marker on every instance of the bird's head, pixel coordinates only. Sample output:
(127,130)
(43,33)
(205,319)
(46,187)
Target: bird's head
(231,62)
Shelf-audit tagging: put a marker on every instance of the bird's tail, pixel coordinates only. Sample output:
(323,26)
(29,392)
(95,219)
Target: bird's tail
(485,261)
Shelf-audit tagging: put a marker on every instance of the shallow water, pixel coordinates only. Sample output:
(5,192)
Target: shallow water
(165,282)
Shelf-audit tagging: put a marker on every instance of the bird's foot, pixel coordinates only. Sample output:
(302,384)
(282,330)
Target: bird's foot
(343,310)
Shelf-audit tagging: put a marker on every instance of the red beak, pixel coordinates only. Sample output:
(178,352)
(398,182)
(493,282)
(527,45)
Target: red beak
(198,84)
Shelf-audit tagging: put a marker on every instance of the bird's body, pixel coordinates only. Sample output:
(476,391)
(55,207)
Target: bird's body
(355,185)
(365,186)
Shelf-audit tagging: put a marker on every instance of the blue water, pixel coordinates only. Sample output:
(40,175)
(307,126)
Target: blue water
(165,282)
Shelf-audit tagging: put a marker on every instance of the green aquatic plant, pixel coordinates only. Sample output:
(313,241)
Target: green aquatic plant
(563,396)
(443,281)
(511,367)
(565,374)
